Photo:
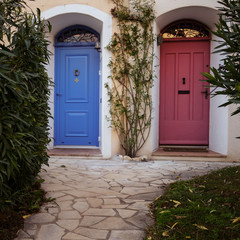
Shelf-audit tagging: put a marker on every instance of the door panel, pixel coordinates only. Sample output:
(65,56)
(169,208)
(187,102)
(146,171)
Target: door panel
(77,90)
(184,110)
(77,96)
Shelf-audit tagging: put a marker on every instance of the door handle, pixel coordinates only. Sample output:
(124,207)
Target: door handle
(206,94)
(59,94)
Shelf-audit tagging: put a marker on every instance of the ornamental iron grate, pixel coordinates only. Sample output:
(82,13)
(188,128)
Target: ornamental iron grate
(78,34)
(185,29)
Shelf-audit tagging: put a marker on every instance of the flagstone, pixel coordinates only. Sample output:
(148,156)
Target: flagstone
(103,199)
(24,235)
(55,194)
(92,233)
(128,183)
(64,198)
(94,183)
(149,179)
(65,205)
(23,239)
(30,226)
(114,184)
(95,202)
(41,218)
(99,212)
(102,191)
(54,187)
(81,206)
(53,210)
(90,220)
(129,200)
(108,201)
(124,213)
(116,189)
(119,176)
(141,220)
(135,190)
(140,205)
(126,235)
(50,231)
(68,224)
(168,181)
(147,196)
(80,193)
(31,233)
(74,236)
(114,223)
(69,215)
(115,206)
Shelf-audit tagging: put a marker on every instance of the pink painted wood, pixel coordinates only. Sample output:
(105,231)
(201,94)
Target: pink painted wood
(184,108)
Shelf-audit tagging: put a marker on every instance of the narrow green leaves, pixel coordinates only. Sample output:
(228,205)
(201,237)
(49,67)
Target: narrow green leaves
(226,78)
(24,94)
(132,78)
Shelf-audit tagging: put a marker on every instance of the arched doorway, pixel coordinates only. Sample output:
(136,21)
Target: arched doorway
(184,100)
(76,115)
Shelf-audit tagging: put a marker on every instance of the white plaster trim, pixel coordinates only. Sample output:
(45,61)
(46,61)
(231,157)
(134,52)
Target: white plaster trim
(155,94)
(106,35)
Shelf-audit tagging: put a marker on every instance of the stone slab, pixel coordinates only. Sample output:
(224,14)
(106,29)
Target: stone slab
(88,221)
(99,212)
(114,223)
(127,235)
(69,225)
(92,233)
(41,218)
(50,231)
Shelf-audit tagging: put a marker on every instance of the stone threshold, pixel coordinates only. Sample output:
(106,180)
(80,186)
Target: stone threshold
(75,152)
(208,155)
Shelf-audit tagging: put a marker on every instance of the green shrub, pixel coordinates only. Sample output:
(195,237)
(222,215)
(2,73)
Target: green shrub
(225,79)
(24,93)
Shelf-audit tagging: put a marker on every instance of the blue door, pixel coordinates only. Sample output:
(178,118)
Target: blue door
(77,96)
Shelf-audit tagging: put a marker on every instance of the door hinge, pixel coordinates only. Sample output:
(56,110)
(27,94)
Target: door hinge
(100,100)
(100,72)
(99,139)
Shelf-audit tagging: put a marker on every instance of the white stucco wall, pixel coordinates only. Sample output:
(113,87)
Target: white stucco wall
(234,134)
(96,14)
(218,129)
(67,15)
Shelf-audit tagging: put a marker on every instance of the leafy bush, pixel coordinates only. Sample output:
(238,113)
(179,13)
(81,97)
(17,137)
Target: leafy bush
(226,77)
(24,93)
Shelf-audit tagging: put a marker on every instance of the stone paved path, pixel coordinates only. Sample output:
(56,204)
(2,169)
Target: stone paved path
(103,199)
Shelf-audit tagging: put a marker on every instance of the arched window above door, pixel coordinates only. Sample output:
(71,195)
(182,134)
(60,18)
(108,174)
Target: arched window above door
(186,29)
(77,35)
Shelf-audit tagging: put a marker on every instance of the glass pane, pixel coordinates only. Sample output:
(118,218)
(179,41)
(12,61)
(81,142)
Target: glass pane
(186,30)
(76,35)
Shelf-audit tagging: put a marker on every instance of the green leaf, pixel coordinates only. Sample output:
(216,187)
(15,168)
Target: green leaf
(7,53)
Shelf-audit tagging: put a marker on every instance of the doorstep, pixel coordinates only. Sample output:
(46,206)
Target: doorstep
(74,152)
(206,155)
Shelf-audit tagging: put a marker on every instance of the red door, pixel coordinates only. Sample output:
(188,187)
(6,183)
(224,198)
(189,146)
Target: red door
(184,104)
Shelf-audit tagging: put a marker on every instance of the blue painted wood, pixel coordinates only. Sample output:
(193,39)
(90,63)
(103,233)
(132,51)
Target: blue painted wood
(77,96)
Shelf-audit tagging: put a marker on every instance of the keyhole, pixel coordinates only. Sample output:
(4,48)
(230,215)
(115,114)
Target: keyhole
(184,81)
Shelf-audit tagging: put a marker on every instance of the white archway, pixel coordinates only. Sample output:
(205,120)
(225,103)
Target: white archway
(70,14)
